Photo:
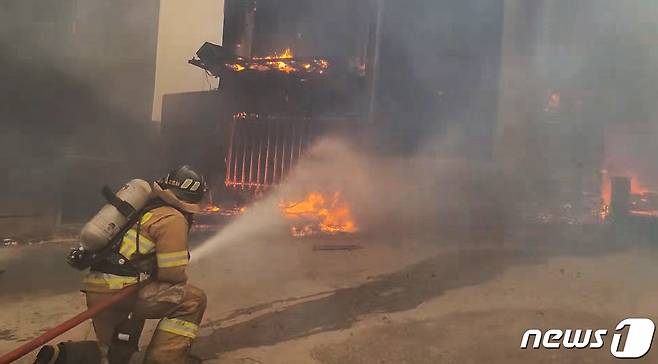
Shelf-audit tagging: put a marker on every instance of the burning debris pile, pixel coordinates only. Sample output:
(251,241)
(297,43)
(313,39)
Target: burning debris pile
(217,60)
(282,62)
(318,213)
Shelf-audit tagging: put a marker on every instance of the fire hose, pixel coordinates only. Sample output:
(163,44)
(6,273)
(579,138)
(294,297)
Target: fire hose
(68,324)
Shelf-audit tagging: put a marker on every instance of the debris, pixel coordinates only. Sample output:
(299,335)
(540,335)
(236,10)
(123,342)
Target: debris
(331,247)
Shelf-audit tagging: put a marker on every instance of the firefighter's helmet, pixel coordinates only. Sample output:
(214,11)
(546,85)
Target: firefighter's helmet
(185,183)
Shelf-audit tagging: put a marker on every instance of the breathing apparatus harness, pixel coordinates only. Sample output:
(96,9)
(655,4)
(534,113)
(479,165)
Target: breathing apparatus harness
(108,259)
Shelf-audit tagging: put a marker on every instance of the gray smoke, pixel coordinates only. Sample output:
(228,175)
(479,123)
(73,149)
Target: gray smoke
(386,194)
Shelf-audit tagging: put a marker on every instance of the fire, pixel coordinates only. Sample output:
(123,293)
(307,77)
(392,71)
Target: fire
(553,102)
(236,67)
(286,54)
(212,209)
(282,62)
(319,213)
(643,200)
(276,61)
(282,66)
(637,187)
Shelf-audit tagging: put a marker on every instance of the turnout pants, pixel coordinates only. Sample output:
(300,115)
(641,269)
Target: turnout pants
(179,307)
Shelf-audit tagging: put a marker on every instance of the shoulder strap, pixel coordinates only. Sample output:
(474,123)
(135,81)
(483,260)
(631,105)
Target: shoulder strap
(124,208)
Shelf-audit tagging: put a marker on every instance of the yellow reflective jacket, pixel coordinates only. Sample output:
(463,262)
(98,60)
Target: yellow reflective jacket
(164,231)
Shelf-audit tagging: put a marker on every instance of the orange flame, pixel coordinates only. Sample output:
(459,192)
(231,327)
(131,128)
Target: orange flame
(212,209)
(236,67)
(282,62)
(282,66)
(286,54)
(319,213)
(638,189)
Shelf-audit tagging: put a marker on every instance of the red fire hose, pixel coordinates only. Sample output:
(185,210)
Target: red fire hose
(68,325)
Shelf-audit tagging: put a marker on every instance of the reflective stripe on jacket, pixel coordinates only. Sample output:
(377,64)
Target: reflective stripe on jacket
(164,231)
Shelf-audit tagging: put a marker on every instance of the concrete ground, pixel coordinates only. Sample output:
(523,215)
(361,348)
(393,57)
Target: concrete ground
(395,300)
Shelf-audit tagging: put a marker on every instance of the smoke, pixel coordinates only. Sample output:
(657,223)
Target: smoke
(598,57)
(546,155)
(76,93)
(107,48)
(431,191)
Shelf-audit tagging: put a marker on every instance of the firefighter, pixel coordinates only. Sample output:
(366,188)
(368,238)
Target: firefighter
(160,233)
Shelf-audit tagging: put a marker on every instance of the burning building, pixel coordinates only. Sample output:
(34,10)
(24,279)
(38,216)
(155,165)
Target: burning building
(280,103)
(290,71)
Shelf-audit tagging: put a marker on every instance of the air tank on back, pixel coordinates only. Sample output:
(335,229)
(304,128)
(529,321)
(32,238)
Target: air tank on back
(98,232)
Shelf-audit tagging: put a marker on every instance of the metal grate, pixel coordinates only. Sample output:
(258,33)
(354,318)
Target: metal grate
(262,150)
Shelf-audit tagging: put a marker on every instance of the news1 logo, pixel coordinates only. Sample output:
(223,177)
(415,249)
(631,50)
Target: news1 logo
(635,344)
